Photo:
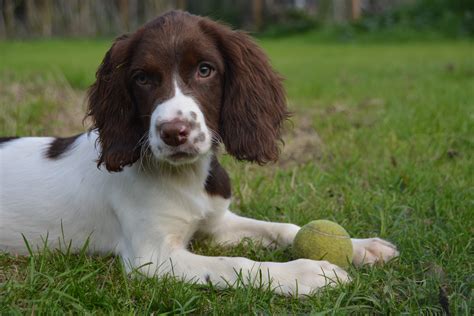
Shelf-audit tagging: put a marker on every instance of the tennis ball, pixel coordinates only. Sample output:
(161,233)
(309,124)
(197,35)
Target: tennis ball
(323,240)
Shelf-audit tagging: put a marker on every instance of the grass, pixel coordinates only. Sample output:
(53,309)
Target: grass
(382,143)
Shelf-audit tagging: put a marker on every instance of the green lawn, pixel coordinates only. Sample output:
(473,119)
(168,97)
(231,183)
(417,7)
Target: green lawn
(384,143)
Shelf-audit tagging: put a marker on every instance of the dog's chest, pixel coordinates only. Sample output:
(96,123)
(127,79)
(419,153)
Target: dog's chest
(180,198)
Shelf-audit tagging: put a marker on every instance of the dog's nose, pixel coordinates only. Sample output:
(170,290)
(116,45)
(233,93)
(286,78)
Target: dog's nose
(174,133)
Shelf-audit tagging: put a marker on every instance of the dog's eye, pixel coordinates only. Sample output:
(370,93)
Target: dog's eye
(204,70)
(141,78)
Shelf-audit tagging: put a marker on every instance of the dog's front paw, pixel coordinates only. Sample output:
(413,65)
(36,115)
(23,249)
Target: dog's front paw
(372,250)
(303,277)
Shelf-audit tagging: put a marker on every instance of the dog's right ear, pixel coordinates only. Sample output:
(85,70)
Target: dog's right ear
(112,110)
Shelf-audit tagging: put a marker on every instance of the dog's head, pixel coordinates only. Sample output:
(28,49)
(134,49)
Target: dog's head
(180,85)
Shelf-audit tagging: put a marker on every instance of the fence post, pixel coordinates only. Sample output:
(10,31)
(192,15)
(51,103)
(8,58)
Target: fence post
(356,10)
(257,14)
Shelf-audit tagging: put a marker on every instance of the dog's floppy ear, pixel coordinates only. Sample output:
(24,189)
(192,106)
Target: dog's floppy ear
(112,110)
(254,101)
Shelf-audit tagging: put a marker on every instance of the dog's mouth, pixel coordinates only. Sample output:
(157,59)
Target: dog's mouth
(182,156)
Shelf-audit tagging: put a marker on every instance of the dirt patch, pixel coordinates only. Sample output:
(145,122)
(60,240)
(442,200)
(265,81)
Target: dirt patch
(12,267)
(302,142)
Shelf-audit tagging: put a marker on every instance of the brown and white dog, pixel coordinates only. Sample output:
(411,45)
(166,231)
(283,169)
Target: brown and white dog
(146,178)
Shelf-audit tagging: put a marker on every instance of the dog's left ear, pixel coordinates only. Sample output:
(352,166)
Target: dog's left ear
(254,101)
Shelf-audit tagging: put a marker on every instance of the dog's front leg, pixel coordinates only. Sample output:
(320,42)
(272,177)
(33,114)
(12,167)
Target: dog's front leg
(163,252)
(229,228)
(299,277)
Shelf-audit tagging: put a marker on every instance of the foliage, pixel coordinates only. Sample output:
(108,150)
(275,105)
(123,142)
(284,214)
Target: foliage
(453,18)
(420,20)
(288,22)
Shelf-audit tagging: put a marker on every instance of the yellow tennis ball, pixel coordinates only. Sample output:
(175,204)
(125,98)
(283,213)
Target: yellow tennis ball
(324,240)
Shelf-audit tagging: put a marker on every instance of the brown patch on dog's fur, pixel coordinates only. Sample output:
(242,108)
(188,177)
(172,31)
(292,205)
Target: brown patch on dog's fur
(218,182)
(4,140)
(59,146)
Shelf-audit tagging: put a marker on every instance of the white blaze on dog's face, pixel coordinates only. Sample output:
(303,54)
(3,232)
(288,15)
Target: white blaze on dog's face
(178,131)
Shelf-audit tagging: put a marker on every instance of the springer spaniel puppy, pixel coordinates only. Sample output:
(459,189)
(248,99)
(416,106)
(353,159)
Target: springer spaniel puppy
(145,179)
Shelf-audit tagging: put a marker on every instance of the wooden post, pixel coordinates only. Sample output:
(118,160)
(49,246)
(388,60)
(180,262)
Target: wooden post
(132,15)
(46,17)
(9,15)
(124,15)
(31,21)
(257,14)
(88,19)
(356,10)
(3,26)
(181,4)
